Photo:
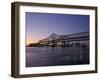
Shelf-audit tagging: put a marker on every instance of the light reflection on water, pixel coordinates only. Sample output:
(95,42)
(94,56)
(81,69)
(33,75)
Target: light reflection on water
(48,56)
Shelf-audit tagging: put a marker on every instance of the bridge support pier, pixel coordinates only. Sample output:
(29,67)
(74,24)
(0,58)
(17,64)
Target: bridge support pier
(63,44)
(54,44)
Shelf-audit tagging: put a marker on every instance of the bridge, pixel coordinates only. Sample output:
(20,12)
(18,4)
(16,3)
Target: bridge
(75,39)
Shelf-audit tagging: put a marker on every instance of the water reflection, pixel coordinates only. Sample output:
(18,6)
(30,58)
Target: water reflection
(48,56)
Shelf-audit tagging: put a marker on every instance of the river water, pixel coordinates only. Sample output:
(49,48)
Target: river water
(48,56)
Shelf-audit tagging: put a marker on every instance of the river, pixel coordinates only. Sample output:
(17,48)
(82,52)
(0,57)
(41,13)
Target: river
(48,56)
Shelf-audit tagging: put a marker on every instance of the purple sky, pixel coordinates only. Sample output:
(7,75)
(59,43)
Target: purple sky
(41,25)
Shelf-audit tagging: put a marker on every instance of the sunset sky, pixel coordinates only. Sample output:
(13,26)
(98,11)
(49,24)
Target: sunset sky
(41,25)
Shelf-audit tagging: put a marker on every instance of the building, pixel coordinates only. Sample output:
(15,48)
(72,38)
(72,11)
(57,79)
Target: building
(75,39)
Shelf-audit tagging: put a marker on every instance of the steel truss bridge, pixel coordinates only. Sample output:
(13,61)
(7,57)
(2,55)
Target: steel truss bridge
(66,40)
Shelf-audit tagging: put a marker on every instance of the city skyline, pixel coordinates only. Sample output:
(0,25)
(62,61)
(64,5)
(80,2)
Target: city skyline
(41,25)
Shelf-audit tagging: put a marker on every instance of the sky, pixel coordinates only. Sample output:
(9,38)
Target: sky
(41,25)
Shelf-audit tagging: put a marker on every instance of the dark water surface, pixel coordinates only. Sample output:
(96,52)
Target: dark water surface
(48,56)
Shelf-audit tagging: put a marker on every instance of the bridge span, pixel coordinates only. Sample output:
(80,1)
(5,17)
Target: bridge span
(75,39)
